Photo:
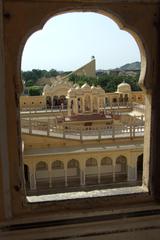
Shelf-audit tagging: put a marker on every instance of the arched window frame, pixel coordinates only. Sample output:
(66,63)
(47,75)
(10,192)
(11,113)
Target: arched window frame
(7,113)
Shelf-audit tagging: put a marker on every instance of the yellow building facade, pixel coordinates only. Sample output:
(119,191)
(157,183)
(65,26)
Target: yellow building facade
(55,95)
(92,144)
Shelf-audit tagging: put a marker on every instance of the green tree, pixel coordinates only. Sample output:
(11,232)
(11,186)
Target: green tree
(35,91)
(29,83)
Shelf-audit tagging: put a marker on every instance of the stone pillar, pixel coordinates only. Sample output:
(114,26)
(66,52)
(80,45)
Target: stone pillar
(52,103)
(48,127)
(91,109)
(64,132)
(75,106)
(81,136)
(113,131)
(133,130)
(142,117)
(98,104)
(84,176)
(30,125)
(104,104)
(130,129)
(132,166)
(111,102)
(99,134)
(82,106)
(32,178)
(65,175)
(114,170)
(99,171)
(50,174)
(82,173)
(69,107)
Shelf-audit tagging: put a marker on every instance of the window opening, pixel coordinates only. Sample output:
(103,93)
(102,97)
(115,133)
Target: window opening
(95,129)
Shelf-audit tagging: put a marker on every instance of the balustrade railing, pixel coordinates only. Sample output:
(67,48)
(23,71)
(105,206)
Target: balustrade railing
(49,128)
(139,108)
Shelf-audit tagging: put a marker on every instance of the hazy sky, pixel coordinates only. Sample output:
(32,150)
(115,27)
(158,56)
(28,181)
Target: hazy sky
(69,40)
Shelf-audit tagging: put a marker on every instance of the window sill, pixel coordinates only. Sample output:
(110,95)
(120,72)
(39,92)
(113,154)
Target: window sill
(87,195)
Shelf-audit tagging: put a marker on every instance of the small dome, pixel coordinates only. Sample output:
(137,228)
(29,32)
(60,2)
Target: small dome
(123,88)
(86,87)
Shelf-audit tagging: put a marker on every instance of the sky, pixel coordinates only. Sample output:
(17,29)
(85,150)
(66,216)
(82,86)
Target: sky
(68,41)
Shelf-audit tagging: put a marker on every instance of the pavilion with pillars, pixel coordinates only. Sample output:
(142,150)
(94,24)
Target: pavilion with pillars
(85,99)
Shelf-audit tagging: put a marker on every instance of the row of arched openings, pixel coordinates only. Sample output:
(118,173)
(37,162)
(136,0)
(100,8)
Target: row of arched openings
(91,172)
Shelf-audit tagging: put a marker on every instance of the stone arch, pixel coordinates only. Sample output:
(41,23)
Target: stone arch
(106,170)
(91,171)
(126,98)
(79,104)
(140,167)
(63,101)
(107,102)
(73,172)
(57,174)
(91,162)
(121,98)
(87,103)
(101,103)
(121,169)
(55,101)
(48,102)
(42,175)
(106,161)
(57,164)
(41,166)
(114,101)
(115,16)
(95,104)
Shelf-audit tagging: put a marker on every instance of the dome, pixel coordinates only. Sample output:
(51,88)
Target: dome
(123,88)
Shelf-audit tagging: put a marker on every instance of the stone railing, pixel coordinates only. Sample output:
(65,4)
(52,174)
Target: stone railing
(49,128)
(59,108)
(119,105)
(42,109)
(139,108)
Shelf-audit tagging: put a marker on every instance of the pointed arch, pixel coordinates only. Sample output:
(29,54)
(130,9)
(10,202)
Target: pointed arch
(73,172)
(106,170)
(91,171)
(121,169)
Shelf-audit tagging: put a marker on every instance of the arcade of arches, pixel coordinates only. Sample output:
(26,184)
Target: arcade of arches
(61,174)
